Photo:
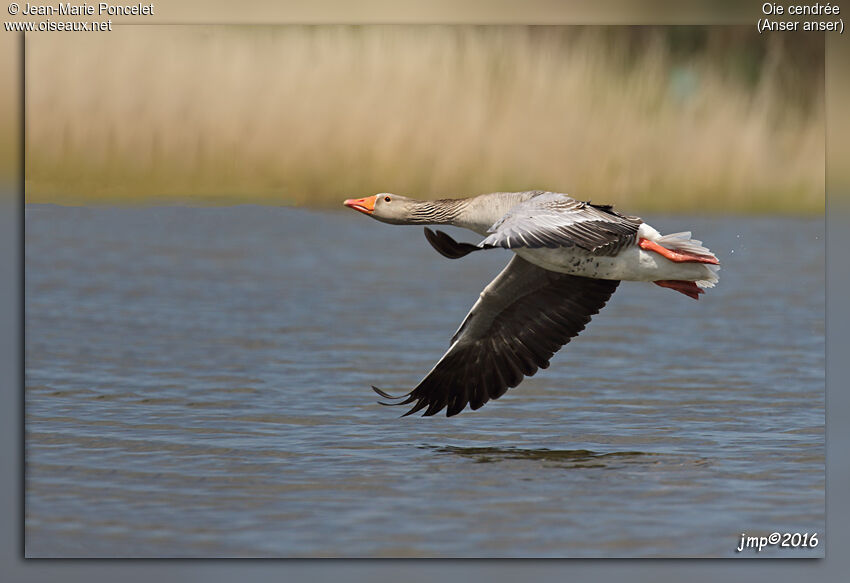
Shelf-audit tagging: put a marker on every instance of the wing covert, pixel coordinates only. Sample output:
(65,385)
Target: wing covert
(556,220)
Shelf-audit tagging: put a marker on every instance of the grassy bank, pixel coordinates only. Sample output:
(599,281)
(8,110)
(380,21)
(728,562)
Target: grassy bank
(712,119)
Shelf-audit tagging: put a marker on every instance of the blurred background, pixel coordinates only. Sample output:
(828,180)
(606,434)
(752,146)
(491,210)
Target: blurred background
(568,11)
(674,118)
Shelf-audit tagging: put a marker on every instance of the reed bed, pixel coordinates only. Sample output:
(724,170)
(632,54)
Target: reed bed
(647,118)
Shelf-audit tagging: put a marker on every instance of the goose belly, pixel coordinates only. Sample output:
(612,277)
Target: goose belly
(631,264)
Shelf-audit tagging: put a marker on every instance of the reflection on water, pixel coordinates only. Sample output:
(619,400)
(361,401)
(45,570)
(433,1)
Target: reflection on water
(198,384)
(576,458)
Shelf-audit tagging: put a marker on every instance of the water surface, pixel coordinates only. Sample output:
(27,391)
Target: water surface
(197,384)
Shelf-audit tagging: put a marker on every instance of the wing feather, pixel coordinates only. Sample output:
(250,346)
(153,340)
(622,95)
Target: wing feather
(555,220)
(522,318)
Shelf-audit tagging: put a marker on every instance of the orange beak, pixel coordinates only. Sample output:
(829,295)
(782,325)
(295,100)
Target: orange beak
(364,205)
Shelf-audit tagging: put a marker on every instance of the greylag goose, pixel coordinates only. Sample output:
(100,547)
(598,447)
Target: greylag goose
(569,258)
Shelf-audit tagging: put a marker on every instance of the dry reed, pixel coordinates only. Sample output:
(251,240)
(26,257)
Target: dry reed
(311,115)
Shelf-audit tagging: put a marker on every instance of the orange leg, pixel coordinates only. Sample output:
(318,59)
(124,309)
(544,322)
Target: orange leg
(688,288)
(678,256)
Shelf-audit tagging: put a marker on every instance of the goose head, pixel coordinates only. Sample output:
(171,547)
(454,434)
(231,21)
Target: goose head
(385,207)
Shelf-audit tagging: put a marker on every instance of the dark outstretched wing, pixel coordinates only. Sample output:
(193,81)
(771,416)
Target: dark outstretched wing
(556,220)
(521,319)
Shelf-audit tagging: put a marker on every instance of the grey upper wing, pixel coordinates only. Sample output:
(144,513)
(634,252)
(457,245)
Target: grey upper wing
(521,319)
(556,220)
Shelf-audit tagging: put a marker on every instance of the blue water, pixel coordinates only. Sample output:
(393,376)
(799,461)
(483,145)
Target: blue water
(197,384)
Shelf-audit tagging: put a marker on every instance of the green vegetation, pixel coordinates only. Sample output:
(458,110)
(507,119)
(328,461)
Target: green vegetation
(648,118)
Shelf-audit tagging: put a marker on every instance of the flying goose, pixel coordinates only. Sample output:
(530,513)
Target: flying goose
(569,258)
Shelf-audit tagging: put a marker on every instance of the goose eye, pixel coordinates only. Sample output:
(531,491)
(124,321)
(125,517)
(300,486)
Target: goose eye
(386,199)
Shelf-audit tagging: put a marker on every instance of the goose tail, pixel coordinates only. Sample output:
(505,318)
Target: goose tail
(684,243)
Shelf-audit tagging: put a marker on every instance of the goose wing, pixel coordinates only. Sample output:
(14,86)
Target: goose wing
(522,318)
(556,220)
